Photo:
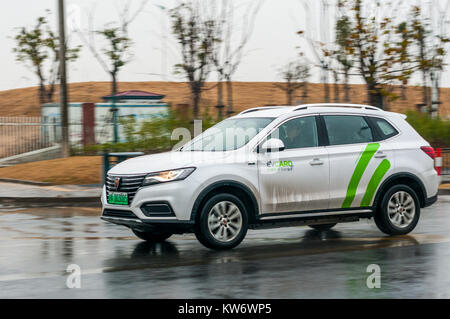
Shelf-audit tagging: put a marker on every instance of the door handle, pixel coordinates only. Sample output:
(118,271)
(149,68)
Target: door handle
(380,155)
(251,163)
(316,162)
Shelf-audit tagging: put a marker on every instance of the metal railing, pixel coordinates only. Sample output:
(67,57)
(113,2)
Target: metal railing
(20,135)
(445,161)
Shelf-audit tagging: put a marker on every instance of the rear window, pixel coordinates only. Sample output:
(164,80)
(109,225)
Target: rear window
(347,129)
(386,130)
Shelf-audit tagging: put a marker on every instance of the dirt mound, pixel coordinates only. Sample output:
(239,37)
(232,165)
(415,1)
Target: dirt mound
(24,102)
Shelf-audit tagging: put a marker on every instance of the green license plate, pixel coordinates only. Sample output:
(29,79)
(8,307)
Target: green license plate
(118,198)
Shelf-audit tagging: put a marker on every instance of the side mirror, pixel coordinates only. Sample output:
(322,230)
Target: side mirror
(272,145)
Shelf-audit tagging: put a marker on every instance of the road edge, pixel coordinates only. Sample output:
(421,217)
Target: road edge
(26,202)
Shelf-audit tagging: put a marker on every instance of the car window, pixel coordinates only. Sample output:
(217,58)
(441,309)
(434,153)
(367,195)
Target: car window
(298,133)
(347,129)
(228,135)
(385,128)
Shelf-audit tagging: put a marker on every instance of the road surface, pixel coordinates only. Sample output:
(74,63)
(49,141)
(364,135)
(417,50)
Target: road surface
(37,245)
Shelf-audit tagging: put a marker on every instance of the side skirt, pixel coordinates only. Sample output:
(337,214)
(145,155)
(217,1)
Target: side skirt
(305,219)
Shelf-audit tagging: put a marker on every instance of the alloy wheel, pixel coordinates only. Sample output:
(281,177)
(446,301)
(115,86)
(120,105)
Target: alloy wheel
(225,221)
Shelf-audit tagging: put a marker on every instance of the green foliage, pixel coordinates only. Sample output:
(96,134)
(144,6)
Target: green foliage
(434,130)
(344,42)
(151,136)
(35,47)
(385,50)
(196,36)
(119,43)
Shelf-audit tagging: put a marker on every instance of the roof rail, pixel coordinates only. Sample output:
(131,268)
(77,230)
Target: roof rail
(359,106)
(262,108)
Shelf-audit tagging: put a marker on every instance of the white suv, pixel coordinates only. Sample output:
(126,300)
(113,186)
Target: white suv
(315,165)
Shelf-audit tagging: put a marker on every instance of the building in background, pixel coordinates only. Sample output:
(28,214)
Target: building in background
(140,105)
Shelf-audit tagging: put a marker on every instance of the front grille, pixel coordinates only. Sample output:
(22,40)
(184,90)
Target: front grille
(128,184)
(119,214)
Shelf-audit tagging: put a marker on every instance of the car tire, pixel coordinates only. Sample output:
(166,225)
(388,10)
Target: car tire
(399,211)
(153,237)
(222,222)
(322,227)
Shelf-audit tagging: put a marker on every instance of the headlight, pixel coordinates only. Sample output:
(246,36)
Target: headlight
(167,176)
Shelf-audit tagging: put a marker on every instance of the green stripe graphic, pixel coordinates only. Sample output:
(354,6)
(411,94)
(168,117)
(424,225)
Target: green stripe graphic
(381,170)
(358,173)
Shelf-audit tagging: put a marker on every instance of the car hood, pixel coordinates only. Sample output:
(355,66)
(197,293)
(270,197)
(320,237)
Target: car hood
(165,161)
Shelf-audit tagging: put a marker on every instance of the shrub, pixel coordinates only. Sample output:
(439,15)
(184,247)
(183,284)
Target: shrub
(434,130)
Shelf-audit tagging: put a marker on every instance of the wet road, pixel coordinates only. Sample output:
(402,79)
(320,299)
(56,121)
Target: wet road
(37,245)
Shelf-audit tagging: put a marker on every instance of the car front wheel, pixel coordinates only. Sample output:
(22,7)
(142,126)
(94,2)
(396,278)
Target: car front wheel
(222,223)
(399,211)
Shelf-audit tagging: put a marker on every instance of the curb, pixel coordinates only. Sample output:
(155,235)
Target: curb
(33,183)
(444,192)
(27,202)
(24,182)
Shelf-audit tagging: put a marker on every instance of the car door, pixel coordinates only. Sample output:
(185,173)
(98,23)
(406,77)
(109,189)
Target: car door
(359,160)
(297,178)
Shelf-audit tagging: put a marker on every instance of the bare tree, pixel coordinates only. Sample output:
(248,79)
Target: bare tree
(234,32)
(318,33)
(196,34)
(440,16)
(343,49)
(430,43)
(40,46)
(116,54)
(295,75)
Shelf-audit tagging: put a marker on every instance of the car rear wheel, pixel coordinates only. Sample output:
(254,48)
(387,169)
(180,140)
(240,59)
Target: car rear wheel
(322,227)
(399,211)
(151,236)
(222,223)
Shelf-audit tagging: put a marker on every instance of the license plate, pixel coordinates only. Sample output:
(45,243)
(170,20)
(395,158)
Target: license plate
(118,198)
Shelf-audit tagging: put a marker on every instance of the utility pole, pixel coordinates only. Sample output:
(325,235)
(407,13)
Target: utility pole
(63,98)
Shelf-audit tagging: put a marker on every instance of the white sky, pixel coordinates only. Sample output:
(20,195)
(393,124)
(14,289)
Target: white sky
(273,44)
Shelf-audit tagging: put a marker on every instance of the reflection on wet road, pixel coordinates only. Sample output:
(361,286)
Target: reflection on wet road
(37,245)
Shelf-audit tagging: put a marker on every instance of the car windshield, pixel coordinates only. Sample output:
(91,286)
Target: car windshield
(228,135)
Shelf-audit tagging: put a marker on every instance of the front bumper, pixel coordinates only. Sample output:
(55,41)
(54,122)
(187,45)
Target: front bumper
(175,227)
(178,195)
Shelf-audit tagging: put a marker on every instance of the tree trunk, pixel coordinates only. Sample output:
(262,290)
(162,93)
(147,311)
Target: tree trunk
(289,94)
(196,102)
(51,93)
(436,94)
(374,96)
(346,86)
(42,98)
(326,87)
(336,87)
(220,105)
(425,90)
(230,96)
(114,83)
(305,92)
(404,87)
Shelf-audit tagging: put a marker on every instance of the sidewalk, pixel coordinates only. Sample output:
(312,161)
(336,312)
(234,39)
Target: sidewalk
(14,194)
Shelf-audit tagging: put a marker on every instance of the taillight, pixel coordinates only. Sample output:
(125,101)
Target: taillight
(429,151)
